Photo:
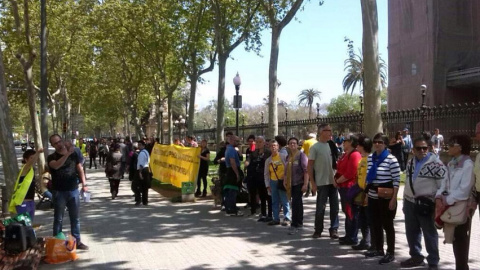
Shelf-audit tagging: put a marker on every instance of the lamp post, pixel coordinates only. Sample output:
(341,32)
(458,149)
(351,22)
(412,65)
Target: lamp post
(160,110)
(243,127)
(423,89)
(286,122)
(361,114)
(262,121)
(318,111)
(237,99)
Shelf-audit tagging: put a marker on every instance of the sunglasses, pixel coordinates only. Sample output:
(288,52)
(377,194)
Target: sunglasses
(377,142)
(424,148)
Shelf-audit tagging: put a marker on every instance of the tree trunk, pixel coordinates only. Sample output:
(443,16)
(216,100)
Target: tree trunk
(32,97)
(222,63)
(372,86)
(7,149)
(272,129)
(191,107)
(170,117)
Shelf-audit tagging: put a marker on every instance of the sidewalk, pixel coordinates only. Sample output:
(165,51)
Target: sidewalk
(166,235)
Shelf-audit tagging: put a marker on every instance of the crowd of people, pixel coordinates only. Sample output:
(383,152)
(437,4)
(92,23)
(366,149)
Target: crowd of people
(357,173)
(365,174)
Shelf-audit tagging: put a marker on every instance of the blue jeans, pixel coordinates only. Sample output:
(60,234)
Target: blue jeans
(26,207)
(71,200)
(415,224)
(360,222)
(279,197)
(323,193)
(230,200)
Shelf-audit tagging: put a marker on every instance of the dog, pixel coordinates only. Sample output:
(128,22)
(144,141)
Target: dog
(216,191)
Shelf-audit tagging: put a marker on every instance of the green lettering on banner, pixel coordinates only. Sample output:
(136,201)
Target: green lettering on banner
(187,188)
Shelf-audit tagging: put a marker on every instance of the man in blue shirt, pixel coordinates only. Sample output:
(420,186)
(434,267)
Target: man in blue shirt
(233,177)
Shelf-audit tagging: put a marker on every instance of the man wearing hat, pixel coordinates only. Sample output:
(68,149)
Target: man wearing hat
(407,147)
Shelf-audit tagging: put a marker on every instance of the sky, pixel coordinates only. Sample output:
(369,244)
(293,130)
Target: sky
(312,55)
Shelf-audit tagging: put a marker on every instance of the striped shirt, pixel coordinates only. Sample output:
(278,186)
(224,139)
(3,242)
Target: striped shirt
(388,174)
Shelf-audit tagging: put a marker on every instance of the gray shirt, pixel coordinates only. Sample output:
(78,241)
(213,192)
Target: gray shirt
(322,156)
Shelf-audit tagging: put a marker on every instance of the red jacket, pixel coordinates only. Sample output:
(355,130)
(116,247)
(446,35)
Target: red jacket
(347,166)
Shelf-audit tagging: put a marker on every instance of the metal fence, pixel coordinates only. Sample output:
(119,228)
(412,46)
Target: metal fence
(450,119)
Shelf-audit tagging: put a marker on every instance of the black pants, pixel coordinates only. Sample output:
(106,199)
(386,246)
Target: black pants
(260,189)
(114,184)
(297,206)
(382,219)
(405,159)
(141,186)
(94,159)
(102,158)
(202,177)
(461,245)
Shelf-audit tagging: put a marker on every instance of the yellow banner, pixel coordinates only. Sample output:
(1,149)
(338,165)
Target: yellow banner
(175,164)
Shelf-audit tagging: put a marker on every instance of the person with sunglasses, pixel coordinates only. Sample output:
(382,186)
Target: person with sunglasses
(383,180)
(425,172)
(455,188)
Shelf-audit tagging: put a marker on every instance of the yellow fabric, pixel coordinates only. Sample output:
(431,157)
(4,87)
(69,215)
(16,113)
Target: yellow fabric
(288,180)
(362,175)
(20,190)
(278,165)
(175,164)
(83,148)
(307,144)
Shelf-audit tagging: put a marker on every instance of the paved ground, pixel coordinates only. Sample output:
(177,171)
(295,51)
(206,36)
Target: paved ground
(167,235)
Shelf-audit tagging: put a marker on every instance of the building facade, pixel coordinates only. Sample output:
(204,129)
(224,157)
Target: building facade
(435,43)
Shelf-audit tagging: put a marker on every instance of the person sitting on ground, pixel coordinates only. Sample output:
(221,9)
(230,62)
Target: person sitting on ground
(23,194)
(46,183)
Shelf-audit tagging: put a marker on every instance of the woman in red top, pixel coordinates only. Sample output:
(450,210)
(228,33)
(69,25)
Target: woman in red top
(344,179)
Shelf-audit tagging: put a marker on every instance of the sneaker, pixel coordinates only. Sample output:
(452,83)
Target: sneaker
(388,258)
(82,246)
(273,223)
(432,267)
(197,194)
(361,246)
(316,235)
(204,193)
(342,238)
(137,203)
(374,253)
(413,262)
(292,230)
(262,219)
(286,222)
(334,234)
(268,219)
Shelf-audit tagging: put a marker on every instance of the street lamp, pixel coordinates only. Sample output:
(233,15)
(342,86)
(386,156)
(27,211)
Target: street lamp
(318,111)
(423,89)
(262,121)
(286,122)
(160,110)
(361,114)
(237,99)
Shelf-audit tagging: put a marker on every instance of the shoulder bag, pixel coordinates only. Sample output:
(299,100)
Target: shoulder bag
(280,181)
(424,206)
(458,213)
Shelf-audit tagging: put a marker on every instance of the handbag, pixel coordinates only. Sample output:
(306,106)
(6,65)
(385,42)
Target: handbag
(280,184)
(456,214)
(352,192)
(385,193)
(424,206)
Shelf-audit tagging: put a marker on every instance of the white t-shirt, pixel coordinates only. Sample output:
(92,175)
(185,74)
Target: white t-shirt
(437,141)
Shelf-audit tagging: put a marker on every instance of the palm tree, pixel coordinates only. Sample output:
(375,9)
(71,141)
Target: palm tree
(306,97)
(355,72)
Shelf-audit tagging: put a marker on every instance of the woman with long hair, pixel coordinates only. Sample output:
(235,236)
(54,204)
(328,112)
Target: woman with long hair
(203,171)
